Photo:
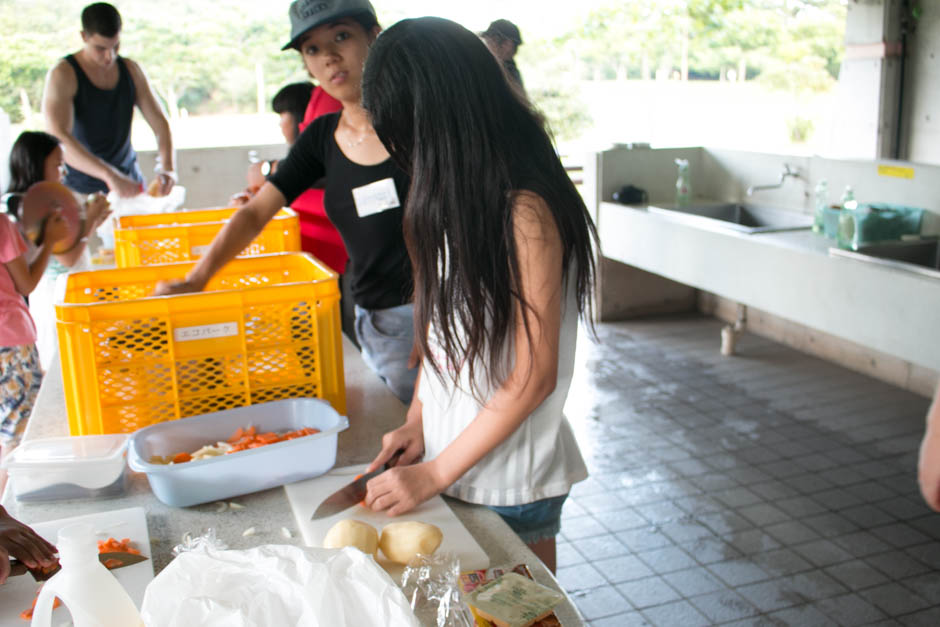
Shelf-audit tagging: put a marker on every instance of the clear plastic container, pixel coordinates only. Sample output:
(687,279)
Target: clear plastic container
(77,467)
(224,476)
(873,223)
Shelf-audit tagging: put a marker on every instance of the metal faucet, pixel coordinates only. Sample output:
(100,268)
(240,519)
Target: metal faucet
(787,171)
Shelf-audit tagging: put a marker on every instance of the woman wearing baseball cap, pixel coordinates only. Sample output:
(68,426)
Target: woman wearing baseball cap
(363,196)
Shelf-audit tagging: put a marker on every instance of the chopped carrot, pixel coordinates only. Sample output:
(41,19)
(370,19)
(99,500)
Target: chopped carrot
(113,563)
(236,436)
(244,439)
(111,545)
(363,501)
(28,614)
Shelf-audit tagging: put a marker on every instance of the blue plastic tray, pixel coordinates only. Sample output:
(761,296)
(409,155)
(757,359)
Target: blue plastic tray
(225,476)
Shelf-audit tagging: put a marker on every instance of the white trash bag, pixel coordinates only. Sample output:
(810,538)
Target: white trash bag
(275,584)
(136,205)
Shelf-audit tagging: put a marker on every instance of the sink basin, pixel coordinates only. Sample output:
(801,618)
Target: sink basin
(921,256)
(741,218)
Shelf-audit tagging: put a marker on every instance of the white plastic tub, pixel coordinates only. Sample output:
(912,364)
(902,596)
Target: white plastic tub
(201,481)
(77,467)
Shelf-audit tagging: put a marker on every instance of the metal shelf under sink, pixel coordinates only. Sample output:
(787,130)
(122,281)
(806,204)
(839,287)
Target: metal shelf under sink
(737,217)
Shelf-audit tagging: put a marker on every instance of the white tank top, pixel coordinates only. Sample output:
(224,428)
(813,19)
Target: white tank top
(539,460)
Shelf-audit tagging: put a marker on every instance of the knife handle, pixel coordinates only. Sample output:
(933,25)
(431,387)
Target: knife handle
(394,458)
(17,568)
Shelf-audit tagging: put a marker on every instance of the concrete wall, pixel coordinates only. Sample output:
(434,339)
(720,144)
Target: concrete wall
(922,91)
(212,175)
(867,92)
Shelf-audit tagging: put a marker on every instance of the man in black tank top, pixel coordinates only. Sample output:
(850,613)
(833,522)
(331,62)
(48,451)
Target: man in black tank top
(89,103)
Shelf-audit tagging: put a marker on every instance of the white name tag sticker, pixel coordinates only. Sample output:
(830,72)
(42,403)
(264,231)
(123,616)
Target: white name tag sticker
(375,197)
(205,332)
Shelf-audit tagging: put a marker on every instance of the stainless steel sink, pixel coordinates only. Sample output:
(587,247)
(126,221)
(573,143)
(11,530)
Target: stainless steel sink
(741,218)
(921,255)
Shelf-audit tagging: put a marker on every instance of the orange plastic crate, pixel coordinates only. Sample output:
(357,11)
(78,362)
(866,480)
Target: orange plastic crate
(145,239)
(266,328)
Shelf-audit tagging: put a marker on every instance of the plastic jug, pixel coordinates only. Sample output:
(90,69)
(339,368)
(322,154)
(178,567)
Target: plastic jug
(91,593)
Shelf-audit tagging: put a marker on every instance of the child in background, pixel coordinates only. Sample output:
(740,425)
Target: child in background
(20,374)
(37,156)
(501,245)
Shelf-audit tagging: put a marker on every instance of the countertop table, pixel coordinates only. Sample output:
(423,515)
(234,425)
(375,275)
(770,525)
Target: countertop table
(372,410)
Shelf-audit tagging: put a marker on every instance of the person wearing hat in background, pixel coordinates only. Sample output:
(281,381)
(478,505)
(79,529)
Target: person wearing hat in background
(88,103)
(364,191)
(503,39)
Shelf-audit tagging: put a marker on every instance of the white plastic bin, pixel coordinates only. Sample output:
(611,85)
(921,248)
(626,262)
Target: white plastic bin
(225,476)
(77,467)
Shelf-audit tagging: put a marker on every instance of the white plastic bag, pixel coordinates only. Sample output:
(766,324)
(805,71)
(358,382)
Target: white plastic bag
(275,584)
(139,204)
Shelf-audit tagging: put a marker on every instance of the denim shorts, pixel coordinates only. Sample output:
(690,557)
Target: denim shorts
(386,337)
(536,521)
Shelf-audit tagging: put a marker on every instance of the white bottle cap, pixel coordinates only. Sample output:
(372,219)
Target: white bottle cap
(76,544)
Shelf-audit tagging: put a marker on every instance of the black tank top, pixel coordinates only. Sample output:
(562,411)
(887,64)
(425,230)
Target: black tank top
(102,124)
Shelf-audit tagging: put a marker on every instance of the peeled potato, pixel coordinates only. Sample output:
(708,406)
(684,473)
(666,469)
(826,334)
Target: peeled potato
(401,541)
(353,533)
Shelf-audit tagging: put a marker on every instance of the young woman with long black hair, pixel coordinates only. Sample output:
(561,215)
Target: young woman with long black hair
(363,196)
(502,250)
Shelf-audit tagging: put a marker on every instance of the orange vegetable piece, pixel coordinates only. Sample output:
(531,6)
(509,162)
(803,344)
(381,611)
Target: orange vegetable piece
(28,614)
(181,458)
(111,545)
(363,501)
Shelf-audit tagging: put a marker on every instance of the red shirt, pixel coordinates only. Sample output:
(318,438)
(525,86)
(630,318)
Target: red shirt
(318,236)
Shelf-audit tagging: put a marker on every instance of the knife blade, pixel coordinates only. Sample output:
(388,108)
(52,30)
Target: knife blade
(351,493)
(126,559)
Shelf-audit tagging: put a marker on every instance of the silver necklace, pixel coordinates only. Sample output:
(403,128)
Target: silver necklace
(350,144)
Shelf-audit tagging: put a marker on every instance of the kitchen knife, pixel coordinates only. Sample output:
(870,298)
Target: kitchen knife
(352,493)
(126,559)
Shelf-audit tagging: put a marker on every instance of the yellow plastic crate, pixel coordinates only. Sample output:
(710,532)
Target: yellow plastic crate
(145,239)
(266,328)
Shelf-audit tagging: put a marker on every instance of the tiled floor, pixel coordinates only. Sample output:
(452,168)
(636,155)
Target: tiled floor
(770,488)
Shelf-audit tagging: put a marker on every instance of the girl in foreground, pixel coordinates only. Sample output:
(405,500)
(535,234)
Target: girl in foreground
(501,247)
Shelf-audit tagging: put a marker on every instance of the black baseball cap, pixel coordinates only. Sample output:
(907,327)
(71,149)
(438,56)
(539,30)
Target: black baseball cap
(505,30)
(307,14)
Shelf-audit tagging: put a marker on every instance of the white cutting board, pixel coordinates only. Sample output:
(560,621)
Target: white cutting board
(305,496)
(18,592)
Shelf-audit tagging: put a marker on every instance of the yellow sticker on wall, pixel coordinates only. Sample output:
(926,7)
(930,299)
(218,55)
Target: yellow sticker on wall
(896,171)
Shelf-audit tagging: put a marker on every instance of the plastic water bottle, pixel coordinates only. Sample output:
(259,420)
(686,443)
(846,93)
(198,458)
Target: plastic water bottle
(845,237)
(822,203)
(92,594)
(683,184)
(848,198)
